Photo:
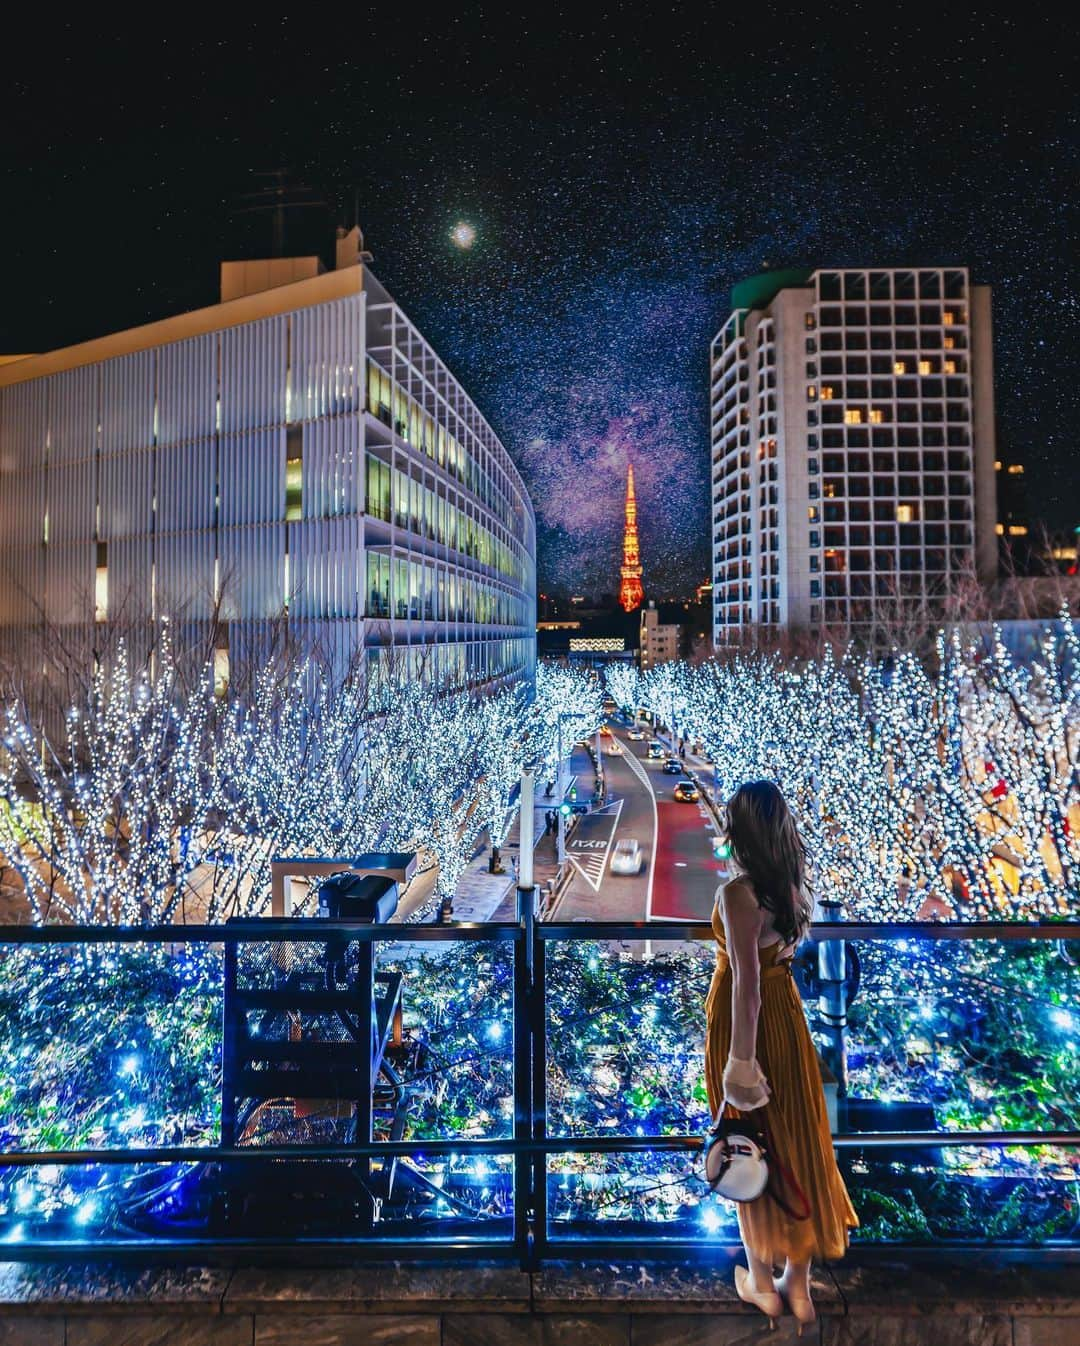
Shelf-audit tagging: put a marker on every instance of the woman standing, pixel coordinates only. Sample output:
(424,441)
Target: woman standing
(760,1055)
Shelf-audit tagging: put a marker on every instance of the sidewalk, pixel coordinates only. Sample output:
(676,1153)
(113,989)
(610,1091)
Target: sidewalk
(482,896)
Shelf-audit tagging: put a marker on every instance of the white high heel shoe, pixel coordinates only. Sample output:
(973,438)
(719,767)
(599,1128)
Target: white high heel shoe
(768,1301)
(801,1306)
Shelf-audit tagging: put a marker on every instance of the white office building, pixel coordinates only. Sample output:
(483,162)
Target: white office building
(297,449)
(852,446)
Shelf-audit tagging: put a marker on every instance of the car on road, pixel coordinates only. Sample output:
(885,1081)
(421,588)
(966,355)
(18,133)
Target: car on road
(656,750)
(613,749)
(627,857)
(636,734)
(686,792)
(605,731)
(673,767)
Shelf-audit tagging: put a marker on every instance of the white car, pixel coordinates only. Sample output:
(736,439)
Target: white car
(613,749)
(636,734)
(627,857)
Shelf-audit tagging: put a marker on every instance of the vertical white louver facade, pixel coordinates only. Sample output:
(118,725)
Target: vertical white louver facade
(301,451)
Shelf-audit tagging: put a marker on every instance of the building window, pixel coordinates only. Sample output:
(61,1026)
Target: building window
(907,513)
(221,669)
(815,588)
(811,391)
(950,366)
(876,416)
(925,367)
(853,416)
(813,513)
(899,367)
(101,584)
(826,393)
(294,472)
(949,343)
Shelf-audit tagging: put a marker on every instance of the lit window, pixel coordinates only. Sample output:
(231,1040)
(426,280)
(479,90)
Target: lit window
(905,514)
(1017,530)
(853,416)
(876,415)
(924,367)
(294,472)
(899,367)
(997,465)
(949,343)
(813,513)
(999,529)
(826,393)
(101,585)
(1015,470)
(950,366)
(948,318)
(221,672)
(811,391)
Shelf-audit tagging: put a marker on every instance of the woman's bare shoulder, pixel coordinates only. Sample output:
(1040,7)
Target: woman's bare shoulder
(739,892)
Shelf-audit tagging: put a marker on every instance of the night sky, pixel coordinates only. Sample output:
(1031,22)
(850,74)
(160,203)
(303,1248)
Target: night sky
(620,173)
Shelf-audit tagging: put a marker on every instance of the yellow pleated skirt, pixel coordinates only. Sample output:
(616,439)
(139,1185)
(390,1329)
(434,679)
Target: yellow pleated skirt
(795,1114)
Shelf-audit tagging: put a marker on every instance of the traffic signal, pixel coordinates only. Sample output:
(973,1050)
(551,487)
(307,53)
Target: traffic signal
(564,809)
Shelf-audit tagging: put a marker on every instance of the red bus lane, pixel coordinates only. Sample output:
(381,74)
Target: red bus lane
(686,871)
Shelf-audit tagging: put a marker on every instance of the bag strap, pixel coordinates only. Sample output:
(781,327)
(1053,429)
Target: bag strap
(778,1170)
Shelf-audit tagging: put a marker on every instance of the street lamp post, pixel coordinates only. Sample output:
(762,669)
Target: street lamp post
(560,849)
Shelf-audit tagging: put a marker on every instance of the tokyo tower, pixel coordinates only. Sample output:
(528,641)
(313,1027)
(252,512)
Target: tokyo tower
(631,593)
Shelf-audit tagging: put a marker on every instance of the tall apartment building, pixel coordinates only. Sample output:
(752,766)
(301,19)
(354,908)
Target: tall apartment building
(659,642)
(852,445)
(297,449)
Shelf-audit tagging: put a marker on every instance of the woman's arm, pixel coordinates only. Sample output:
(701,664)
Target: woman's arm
(744,1084)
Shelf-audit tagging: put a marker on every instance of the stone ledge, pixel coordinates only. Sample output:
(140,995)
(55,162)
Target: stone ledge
(393,1287)
(109,1288)
(882,1301)
(648,1287)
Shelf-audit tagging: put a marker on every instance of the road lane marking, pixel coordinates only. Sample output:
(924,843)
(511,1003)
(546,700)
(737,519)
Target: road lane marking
(635,763)
(588,854)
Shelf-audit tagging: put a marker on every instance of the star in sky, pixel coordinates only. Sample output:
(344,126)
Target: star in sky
(463,234)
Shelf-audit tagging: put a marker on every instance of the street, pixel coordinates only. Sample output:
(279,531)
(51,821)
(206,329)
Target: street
(680,874)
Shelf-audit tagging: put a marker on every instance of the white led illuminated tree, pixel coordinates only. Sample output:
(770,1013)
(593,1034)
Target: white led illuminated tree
(624,685)
(500,734)
(567,694)
(109,824)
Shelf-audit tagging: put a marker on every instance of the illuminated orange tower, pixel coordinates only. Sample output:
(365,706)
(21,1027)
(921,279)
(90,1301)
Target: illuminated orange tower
(630,590)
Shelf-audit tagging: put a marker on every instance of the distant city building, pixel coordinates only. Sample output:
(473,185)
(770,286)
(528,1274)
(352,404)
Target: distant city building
(297,449)
(630,590)
(852,445)
(1013,523)
(659,642)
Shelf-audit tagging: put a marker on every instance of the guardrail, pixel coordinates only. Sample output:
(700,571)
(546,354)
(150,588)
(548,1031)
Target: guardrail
(234,1172)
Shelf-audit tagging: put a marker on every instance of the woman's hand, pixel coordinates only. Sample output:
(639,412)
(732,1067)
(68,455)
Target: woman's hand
(745,1086)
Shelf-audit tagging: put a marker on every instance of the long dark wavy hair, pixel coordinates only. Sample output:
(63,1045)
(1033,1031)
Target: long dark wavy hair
(766,844)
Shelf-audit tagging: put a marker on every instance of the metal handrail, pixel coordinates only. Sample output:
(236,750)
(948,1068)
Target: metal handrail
(529,1145)
(274,929)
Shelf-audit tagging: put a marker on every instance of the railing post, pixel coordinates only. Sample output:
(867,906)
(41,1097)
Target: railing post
(832,998)
(539,1096)
(523,1167)
(229,1046)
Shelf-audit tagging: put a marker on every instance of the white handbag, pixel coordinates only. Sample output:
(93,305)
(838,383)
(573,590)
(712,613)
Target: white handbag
(735,1163)
(741,1165)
